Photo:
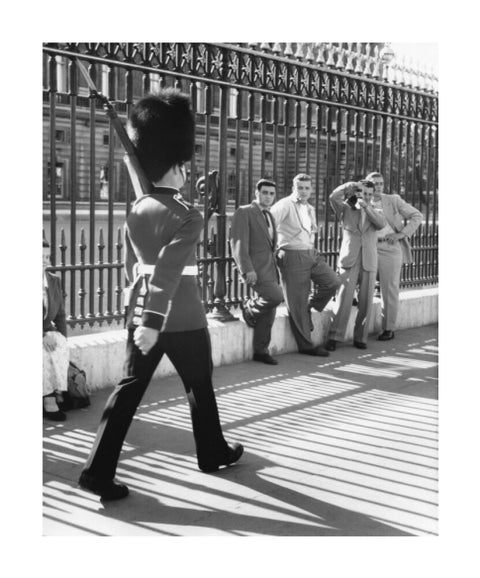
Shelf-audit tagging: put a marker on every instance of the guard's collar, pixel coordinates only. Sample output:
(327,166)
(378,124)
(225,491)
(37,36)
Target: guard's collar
(165,190)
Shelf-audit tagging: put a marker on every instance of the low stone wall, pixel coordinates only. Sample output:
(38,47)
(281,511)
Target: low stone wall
(102,355)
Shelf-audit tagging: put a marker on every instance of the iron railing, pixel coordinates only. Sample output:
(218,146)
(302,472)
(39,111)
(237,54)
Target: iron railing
(260,113)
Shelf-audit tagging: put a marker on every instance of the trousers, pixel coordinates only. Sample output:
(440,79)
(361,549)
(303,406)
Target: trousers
(349,279)
(263,307)
(298,268)
(390,260)
(190,353)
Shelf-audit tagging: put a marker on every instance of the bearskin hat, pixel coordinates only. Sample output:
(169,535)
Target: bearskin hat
(162,129)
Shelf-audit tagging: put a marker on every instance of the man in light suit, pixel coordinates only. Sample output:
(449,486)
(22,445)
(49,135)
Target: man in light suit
(402,219)
(253,242)
(300,263)
(351,203)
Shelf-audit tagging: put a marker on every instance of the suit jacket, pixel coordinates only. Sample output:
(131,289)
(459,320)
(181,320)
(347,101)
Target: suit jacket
(357,238)
(252,247)
(54,318)
(291,231)
(162,230)
(396,210)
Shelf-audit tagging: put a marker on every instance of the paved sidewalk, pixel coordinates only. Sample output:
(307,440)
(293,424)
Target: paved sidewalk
(338,446)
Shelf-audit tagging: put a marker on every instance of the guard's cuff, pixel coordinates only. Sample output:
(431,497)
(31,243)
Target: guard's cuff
(153,320)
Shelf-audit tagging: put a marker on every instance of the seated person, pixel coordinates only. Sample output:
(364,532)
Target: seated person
(55,348)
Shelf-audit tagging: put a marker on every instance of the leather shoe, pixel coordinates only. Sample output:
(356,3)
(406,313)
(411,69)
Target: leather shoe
(386,336)
(318,351)
(331,345)
(234,453)
(55,415)
(108,491)
(360,345)
(265,358)
(248,318)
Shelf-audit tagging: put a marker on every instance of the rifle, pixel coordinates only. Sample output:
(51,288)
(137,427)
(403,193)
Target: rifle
(141,184)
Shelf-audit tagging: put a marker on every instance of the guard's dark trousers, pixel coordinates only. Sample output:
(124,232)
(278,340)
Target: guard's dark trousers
(190,353)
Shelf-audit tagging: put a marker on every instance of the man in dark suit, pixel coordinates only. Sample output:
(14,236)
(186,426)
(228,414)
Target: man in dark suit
(253,242)
(166,315)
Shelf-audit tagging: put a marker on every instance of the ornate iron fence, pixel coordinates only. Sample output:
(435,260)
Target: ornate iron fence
(266,111)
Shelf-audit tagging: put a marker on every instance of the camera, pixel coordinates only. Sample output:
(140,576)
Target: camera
(352,200)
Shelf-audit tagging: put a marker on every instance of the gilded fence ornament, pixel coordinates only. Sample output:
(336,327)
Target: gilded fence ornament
(350,55)
(331,55)
(299,52)
(340,58)
(358,67)
(277,48)
(288,49)
(310,56)
(320,55)
(367,70)
(265,46)
(376,65)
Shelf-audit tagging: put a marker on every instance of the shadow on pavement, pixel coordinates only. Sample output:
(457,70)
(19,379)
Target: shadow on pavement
(338,446)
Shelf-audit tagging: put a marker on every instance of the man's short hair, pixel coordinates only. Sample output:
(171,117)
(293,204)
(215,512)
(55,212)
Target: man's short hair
(162,129)
(265,183)
(373,175)
(302,177)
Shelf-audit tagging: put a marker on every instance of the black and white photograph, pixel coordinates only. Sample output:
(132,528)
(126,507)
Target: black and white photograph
(242,321)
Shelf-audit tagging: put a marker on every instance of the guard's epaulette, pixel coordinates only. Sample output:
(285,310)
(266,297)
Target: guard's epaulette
(178,197)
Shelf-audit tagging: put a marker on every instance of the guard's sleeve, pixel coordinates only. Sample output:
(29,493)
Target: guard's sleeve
(239,241)
(411,214)
(168,269)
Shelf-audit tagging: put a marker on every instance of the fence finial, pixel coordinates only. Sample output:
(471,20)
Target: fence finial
(320,55)
(331,54)
(340,58)
(350,54)
(277,48)
(310,56)
(299,52)
(288,49)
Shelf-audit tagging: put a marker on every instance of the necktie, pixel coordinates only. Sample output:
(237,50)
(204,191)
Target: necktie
(268,221)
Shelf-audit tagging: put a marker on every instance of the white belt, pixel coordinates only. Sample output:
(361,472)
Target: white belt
(143,269)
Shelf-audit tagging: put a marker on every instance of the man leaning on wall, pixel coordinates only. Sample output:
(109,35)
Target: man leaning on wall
(300,263)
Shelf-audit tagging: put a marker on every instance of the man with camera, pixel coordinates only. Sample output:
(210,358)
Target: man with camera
(352,204)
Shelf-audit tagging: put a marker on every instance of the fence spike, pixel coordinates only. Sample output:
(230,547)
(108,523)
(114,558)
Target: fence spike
(331,55)
(299,52)
(277,48)
(288,49)
(310,56)
(320,55)
(358,68)
(340,58)
(350,67)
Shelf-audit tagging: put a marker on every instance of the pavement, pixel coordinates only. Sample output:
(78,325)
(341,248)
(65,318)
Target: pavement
(337,446)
